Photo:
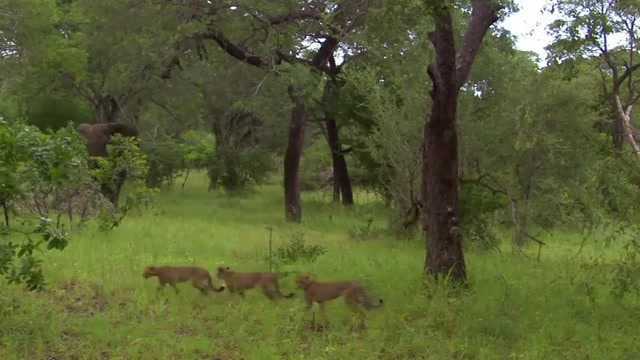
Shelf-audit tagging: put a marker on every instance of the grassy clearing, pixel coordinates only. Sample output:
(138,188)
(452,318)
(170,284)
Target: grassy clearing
(99,306)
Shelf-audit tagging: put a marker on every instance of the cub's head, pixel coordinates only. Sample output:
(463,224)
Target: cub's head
(149,271)
(222,270)
(304,280)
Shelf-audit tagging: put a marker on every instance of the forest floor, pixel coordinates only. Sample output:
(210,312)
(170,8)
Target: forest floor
(98,306)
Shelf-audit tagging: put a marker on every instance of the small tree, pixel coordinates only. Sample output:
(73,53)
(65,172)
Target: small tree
(198,149)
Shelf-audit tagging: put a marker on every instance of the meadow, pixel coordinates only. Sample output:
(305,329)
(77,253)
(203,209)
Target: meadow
(98,306)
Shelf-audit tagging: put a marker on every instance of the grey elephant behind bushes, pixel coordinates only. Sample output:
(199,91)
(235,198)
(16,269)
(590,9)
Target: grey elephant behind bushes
(97,137)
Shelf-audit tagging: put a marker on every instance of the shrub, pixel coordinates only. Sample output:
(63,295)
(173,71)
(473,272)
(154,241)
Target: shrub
(296,250)
(125,159)
(165,160)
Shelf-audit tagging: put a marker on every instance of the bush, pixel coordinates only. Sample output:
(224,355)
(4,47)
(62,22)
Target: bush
(125,159)
(165,159)
(237,171)
(241,157)
(39,173)
(296,250)
(316,170)
(198,148)
(18,263)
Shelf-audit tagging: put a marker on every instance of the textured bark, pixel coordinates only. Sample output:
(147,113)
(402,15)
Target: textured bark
(624,117)
(445,256)
(293,209)
(107,110)
(341,179)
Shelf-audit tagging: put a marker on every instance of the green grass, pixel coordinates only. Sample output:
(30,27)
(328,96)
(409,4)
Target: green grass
(98,306)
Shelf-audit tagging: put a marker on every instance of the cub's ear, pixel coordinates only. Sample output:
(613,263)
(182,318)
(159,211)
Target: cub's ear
(228,268)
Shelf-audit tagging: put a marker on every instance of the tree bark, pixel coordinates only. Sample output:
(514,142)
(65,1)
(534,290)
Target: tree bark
(445,256)
(624,117)
(440,181)
(107,110)
(293,209)
(520,218)
(341,179)
(617,133)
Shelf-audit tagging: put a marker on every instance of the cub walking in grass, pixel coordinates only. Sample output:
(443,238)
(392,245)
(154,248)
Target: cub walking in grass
(239,282)
(355,296)
(199,277)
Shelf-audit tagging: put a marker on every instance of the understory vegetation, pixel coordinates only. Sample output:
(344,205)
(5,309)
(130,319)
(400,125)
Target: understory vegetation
(97,305)
(489,195)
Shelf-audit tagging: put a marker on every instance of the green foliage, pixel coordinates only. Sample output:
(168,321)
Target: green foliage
(238,171)
(392,146)
(296,250)
(197,148)
(165,159)
(241,157)
(11,159)
(44,174)
(477,211)
(18,262)
(528,141)
(44,171)
(125,156)
(316,167)
(169,157)
(626,271)
(125,160)
(136,198)
(57,159)
(366,231)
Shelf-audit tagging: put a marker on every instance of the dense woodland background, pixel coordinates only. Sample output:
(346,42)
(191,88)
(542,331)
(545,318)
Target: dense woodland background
(411,133)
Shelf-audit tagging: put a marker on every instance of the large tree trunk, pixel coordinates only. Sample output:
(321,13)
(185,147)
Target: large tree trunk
(450,71)
(293,209)
(440,184)
(341,179)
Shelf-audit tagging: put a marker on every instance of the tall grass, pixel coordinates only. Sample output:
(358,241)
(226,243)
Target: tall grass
(98,305)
